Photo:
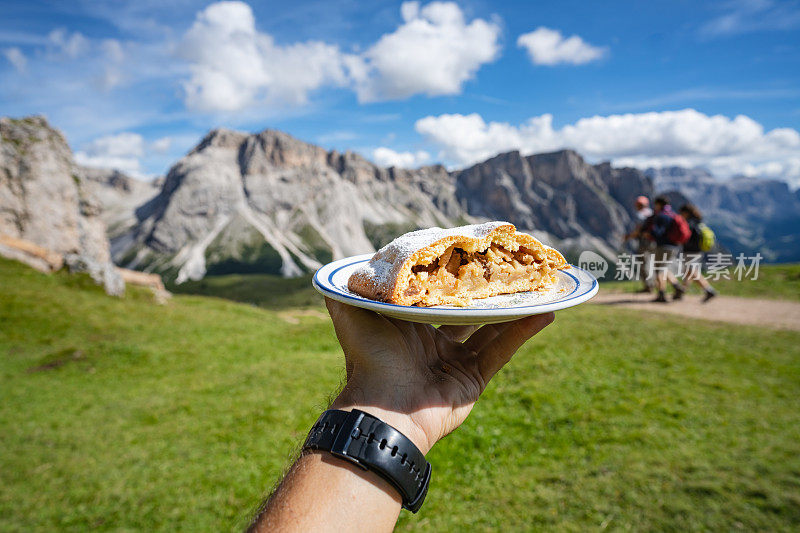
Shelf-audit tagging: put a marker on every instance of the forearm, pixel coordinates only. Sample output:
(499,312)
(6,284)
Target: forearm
(324,493)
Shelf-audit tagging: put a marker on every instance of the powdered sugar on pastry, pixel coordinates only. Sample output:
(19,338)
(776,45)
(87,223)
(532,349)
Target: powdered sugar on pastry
(380,268)
(451,266)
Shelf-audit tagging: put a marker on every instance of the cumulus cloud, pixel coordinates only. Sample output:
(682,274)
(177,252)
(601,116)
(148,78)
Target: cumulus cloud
(466,139)
(234,66)
(687,137)
(433,52)
(386,157)
(17,59)
(546,46)
(122,152)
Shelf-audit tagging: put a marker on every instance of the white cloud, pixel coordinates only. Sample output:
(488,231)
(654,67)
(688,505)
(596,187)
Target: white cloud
(234,66)
(112,74)
(546,46)
(386,157)
(68,45)
(113,49)
(16,58)
(433,52)
(745,16)
(161,145)
(466,139)
(688,138)
(122,152)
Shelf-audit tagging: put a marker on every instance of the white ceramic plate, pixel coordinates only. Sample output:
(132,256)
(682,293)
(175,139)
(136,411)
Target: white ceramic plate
(574,286)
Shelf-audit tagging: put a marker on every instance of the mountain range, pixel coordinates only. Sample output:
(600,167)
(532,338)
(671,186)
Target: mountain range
(268,202)
(748,214)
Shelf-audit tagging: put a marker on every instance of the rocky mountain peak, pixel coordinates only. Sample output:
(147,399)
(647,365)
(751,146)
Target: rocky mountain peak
(31,129)
(45,200)
(109,178)
(568,155)
(556,167)
(280,149)
(270,202)
(220,138)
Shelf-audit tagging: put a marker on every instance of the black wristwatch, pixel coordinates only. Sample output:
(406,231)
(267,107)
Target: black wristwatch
(374,445)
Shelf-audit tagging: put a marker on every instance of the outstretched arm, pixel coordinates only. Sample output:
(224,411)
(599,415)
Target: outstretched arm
(422,380)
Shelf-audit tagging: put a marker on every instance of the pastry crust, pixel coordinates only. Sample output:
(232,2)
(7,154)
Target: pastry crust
(453,266)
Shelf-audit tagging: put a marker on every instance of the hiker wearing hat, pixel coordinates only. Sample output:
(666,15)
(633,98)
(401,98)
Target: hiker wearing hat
(644,246)
(669,231)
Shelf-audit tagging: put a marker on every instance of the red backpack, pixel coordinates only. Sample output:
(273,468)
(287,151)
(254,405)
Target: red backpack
(679,231)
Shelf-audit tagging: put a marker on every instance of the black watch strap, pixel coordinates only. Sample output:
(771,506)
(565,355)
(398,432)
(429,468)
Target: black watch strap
(374,445)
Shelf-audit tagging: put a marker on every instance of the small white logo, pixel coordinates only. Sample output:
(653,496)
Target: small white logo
(594,263)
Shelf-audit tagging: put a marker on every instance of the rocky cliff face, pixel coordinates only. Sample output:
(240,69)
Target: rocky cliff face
(748,214)
(44,199)
(581,205)
(269,202)
(119,195)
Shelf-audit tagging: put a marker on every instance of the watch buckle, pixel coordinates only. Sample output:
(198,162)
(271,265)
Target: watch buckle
(345,435)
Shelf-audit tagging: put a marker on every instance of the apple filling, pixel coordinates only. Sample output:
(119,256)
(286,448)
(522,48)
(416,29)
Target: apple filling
(458,276)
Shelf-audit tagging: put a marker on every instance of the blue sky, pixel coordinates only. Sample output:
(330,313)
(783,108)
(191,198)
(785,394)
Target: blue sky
(136,84)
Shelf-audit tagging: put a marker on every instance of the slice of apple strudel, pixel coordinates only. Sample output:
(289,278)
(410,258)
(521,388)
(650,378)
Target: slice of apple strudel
(438,266)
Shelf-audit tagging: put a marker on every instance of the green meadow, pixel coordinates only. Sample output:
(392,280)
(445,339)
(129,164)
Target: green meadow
(120,414)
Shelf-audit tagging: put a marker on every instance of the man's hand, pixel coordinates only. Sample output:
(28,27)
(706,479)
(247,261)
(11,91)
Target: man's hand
(420,379)
(417,378)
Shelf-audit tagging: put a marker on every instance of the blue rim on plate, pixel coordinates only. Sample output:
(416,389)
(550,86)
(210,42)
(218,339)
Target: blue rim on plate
(331,281)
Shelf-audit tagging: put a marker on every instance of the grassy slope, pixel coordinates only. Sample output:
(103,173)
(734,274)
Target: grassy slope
(778,282)
(264,290)
(120,414)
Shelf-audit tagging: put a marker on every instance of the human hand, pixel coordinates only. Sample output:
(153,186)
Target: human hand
(420,379)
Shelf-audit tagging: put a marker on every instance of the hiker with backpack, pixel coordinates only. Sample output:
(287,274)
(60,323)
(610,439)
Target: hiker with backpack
(701,240)
(669,231)
(644,246)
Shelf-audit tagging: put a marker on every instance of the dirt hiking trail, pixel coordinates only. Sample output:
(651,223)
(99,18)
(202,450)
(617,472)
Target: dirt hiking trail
(773,314)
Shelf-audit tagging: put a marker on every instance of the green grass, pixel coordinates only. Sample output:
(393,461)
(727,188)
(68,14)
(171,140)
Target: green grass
(263,290)
(118,414)
(776,282)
